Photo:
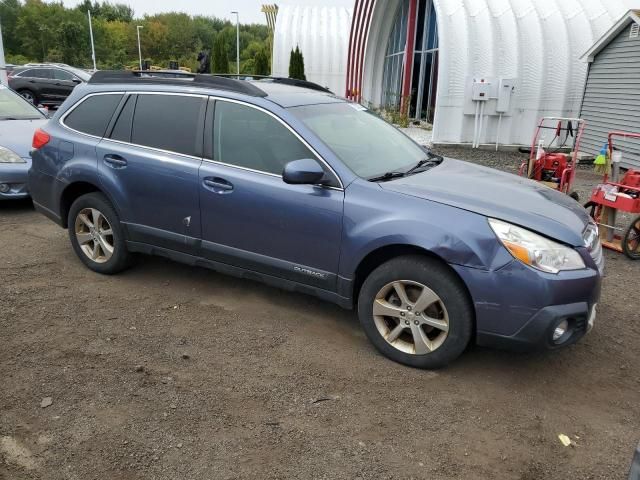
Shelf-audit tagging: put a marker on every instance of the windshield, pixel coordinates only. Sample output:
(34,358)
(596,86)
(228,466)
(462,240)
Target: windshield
(368,145)
(81,74)
(14,107)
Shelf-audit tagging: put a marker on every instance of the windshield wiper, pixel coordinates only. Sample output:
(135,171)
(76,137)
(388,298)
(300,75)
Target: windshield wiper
(432,161)
(387,176)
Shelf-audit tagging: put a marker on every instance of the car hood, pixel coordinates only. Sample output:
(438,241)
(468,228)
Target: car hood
(17,135)
(498,195)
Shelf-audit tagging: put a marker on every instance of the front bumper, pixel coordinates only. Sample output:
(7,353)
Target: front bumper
(537,334)
(518,308)
(14,175)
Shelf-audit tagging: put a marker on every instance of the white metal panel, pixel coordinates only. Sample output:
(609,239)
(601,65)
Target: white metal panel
(322,33)
(536,42)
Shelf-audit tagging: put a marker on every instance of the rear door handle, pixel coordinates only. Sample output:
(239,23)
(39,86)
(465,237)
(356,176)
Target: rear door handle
(217,185)
(115,161)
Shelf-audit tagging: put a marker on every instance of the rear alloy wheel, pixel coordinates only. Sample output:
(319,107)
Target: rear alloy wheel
(631,240)
(416,311)
(96,234)
(29,96)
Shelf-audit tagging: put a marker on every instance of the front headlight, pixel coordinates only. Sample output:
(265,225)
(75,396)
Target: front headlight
(9,156)
(535,250)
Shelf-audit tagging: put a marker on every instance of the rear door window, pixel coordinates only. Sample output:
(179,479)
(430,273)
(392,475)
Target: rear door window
(44,73)
(93,114)
(169,122)
(59,74)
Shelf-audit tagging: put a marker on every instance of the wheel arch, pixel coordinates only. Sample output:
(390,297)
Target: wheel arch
(72,192)
(383,254)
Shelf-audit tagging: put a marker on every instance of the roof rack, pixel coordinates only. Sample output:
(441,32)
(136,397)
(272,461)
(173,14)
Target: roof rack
(283,80)
(176,78)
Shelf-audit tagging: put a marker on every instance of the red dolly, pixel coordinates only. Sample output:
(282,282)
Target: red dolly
(610,197)
(546,163)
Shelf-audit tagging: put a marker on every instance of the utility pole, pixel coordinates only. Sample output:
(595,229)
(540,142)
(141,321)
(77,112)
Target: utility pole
(3,66)
(237,42)
(139,49)
(93,48)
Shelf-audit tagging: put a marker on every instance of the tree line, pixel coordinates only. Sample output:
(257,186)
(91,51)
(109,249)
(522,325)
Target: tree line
(35,31)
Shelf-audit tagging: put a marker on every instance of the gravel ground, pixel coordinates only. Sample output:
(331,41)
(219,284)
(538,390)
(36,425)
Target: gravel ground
(172,372)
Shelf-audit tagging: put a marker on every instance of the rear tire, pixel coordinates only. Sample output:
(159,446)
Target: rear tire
(29,96)
(416,311)
(96,234)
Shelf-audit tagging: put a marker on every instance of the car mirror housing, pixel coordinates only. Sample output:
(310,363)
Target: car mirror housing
(303,172)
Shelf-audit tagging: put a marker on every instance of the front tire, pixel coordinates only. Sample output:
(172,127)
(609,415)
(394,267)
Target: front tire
(96,234)
(416,311)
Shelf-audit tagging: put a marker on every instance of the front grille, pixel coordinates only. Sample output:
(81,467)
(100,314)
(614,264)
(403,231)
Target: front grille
(592,242)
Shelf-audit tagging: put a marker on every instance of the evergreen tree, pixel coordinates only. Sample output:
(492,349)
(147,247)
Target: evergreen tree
(301,74)
(261,65)
(220,63)
(296,65)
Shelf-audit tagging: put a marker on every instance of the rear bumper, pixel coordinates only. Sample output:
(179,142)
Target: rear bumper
(518,308)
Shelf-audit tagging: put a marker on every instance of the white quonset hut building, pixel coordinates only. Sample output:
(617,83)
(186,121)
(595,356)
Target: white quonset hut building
(479,70)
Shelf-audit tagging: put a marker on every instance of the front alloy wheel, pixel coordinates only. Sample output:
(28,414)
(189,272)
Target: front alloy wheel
(94,235)
(416,311)
(411,317)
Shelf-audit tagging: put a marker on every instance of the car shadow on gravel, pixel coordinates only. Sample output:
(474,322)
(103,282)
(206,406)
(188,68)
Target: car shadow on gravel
(206,287)
(9,207)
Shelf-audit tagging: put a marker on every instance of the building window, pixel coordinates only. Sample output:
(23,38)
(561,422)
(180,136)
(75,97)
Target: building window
(424,77)
(425,67)
(394,59)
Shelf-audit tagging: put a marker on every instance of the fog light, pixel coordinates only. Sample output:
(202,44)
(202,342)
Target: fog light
(4,187)
(560,330)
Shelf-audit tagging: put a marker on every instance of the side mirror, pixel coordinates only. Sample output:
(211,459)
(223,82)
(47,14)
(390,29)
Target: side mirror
(76,81)
(303,172)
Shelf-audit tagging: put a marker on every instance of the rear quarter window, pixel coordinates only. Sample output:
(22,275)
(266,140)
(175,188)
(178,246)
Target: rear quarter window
(92,115)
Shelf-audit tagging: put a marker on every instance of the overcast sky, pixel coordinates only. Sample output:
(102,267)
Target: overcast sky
(249,9)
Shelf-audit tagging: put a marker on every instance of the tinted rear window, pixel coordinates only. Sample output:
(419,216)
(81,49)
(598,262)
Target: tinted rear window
(168,122)
(92,116)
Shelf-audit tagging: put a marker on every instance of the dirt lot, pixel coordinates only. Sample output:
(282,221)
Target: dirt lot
(171,372)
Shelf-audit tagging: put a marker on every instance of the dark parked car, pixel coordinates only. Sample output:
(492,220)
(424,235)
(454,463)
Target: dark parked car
(46,84)
(305,191)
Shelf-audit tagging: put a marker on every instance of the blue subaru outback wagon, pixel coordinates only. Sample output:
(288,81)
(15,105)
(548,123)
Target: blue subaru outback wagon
(292,186)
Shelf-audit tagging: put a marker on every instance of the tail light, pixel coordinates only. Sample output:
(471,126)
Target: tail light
(40,139)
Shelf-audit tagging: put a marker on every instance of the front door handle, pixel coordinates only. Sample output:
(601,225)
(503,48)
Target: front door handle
(115,161)
(217,185)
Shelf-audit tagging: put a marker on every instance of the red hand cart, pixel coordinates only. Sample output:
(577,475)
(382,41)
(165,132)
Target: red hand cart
(611,197)
(546,163)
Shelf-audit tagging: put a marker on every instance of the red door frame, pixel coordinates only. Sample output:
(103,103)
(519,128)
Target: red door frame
(408,56)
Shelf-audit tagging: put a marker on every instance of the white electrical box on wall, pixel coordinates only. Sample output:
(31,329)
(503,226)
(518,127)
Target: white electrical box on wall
(480,90)
(505,91)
